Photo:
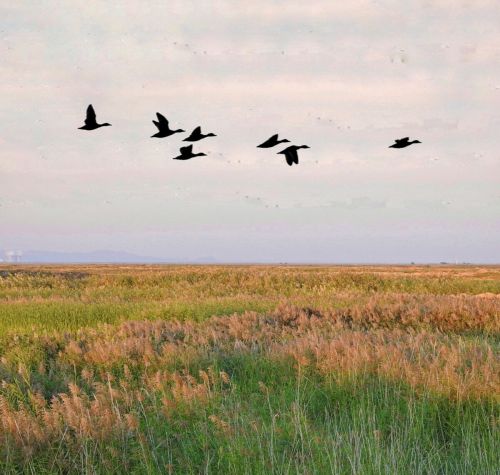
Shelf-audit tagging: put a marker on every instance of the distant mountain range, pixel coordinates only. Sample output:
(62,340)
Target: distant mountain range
(101,257)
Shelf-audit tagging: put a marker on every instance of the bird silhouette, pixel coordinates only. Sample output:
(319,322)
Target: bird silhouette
(402,143)
(90,120)
(291,155)
(197,135)
(163,129)
(187,153)
(272,141)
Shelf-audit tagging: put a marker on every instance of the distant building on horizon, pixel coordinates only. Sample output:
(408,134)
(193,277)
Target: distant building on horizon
(13,256)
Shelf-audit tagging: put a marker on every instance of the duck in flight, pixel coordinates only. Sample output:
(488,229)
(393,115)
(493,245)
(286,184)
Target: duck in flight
(402,143)
(291,155)
(163,129)
(90,120)
(187,153)
(272,141)
(197,135)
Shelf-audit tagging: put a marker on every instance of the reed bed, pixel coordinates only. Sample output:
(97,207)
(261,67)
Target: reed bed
(333,370)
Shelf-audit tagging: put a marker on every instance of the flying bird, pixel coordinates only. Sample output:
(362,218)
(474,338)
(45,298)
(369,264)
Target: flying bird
(291,155)
(90,120)
(163,129)
(272,141)
(197,135)
(187,153)
(402,143)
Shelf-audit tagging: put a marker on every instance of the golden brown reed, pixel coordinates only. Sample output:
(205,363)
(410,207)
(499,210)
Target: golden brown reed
(362,323)
(108,412)
(398,345)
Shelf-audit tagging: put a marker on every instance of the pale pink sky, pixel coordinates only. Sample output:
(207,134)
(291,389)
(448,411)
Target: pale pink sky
(344,77)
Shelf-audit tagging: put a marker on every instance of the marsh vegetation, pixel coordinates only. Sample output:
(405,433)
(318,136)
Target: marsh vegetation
(249,369)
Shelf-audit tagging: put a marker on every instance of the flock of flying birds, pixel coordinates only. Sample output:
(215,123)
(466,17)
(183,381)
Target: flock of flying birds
(186,152)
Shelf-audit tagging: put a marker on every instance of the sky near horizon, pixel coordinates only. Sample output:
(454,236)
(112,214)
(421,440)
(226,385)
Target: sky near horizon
(346,78)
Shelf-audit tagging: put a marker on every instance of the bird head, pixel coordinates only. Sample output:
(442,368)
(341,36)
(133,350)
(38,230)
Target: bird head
(304,146)
(105,124)
(211,135)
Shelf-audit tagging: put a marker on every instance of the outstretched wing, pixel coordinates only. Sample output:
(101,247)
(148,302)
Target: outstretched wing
(196,131)
(187,150)
(292,157)
(271,141)
(91,117)
(162,121)
(404,139)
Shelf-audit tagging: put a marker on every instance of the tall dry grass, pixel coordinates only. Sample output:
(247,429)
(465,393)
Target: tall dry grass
(116,392)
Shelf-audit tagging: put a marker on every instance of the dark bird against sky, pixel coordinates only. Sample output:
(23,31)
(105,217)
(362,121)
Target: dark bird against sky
(197,135)
(272,141)
(291,155)
(404,142)
(163,128)
(90,120)
(187,153)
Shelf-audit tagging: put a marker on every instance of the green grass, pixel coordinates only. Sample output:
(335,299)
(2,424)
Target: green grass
(306,424)
(47,316)
(65,299)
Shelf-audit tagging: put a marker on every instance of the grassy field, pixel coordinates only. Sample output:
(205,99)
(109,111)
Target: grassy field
(250,369)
